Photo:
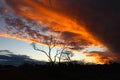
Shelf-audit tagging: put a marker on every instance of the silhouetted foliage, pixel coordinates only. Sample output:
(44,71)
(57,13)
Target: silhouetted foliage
(62,71)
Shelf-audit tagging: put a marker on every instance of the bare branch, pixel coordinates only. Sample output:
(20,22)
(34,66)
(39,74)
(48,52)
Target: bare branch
(57,53)
(35,48)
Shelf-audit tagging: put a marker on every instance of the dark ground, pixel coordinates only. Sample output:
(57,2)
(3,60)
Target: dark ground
(61,72)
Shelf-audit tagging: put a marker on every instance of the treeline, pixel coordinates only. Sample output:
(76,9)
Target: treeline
(61,71)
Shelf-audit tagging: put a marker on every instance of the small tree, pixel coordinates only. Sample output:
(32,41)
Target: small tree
(66,55)
(61,53)
(51,43)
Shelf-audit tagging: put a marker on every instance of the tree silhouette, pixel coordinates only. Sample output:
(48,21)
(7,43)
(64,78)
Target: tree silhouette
(66,55)
(61,53)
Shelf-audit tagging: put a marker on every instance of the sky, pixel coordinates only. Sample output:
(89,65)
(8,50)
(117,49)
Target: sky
(19,47)
(90,27)
(24,48)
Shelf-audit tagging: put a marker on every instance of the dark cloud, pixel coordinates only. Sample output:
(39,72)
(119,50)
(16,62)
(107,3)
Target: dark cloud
(7,51)
(102,56)
(103,21)
(8,58)
(74,40)
(69,35)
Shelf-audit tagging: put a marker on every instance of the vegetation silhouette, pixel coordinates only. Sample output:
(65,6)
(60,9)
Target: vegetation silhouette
(62,71)
(59,71)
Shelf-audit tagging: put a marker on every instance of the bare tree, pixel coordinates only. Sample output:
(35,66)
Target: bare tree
(61,53)
(51,43)
(66,55)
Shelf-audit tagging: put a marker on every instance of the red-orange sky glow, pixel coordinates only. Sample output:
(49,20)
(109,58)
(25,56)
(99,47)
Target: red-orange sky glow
(59,25)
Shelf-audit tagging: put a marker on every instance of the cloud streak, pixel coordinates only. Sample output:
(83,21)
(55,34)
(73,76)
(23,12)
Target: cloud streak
(72,22)
(54,21)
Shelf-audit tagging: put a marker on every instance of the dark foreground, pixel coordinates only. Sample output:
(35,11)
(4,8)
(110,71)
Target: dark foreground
(61,72)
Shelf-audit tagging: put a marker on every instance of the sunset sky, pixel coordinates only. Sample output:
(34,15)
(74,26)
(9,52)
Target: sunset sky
(86,25)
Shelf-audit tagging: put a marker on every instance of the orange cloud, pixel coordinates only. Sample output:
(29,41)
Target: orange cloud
(63,27)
